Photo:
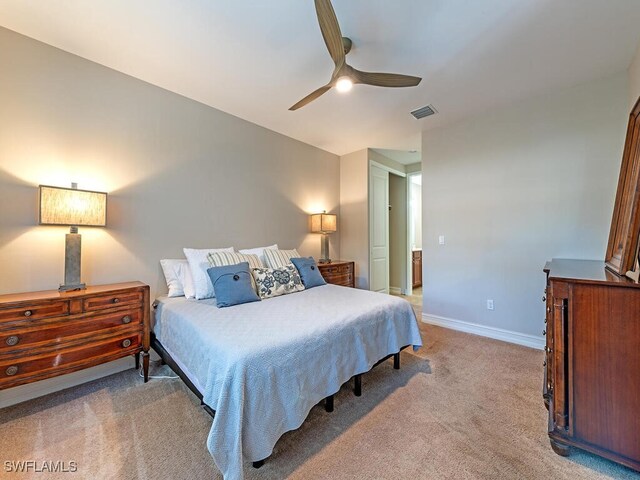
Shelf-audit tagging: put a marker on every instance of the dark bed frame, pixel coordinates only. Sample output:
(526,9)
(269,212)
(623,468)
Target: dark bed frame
(328,402)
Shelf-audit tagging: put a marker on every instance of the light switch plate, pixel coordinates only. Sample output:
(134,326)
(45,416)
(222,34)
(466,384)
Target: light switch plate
(441,239)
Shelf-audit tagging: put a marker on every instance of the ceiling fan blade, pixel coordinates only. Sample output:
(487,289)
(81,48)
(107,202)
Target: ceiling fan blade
(311,97)
(385,79)
(330,30)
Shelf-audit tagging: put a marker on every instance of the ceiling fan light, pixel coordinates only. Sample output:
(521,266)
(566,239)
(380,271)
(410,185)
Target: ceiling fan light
(344,84)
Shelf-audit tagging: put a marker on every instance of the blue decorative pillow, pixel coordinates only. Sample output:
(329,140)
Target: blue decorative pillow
(232,284)
(272,282)
(308,270)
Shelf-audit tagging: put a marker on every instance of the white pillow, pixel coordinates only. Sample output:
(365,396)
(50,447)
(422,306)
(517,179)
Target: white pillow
(279,258)
(259,251)
(178,276)
(189,289)
(198,263)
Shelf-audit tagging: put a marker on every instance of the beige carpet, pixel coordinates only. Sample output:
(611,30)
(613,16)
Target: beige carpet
(462,407)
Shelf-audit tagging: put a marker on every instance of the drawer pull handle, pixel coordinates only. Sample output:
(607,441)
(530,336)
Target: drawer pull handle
(12,370)
(116,300)
(126,343)
(126,319)
(12,340)
(28,313)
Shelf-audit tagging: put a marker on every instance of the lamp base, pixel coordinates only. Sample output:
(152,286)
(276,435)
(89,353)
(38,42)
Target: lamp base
(324,249)
(72,256)
(71,288)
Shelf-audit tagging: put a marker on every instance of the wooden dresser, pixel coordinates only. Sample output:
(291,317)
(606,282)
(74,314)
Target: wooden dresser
(339,272)
(45,334)
(592,374)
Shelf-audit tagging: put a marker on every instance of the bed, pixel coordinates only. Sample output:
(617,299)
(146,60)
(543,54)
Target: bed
(262,366)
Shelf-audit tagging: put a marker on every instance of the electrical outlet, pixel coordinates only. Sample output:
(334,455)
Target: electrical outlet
(441,239)
(489,304)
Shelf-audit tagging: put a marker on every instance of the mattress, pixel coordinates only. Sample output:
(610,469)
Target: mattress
(262,366)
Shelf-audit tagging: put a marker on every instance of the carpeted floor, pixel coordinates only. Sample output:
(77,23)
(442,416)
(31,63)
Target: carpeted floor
(462,407)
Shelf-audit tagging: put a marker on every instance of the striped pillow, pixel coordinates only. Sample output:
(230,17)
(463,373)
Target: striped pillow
(279,258)
(222,259)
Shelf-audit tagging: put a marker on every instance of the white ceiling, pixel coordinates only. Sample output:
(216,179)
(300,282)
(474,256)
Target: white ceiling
(255,58)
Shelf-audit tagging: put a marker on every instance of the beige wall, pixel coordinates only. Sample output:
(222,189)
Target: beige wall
(513,189)
(415,195)
(413,167)
(178,173)
(398,232)
(386,161)
(633,75)
(354,213)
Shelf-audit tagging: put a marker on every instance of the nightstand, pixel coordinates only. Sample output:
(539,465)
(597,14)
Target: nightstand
(50,333)
(339,272)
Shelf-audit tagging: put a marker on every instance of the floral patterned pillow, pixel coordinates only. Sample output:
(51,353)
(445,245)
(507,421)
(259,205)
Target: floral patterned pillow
(273,282)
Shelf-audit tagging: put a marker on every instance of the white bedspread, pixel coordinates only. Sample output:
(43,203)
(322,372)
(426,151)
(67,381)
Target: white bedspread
(262,366)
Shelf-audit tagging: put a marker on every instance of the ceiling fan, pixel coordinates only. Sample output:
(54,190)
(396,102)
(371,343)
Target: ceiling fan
(345,76)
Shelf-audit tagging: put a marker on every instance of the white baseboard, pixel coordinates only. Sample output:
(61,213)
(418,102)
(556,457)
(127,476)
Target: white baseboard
(527,340)
(395,291)
(23,393)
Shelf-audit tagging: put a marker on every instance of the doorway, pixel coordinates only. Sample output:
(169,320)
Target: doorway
(395,229)
(388,230)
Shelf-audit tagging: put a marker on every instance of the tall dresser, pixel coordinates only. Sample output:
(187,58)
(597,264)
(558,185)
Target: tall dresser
(592,367)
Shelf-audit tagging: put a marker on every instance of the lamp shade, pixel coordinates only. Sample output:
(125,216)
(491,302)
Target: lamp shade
(323,223)
(70,206)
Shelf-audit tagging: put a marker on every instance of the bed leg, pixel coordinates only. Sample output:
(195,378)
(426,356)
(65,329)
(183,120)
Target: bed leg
(145,366)
(396,361)
(328,403)
(357,385)
(258,464)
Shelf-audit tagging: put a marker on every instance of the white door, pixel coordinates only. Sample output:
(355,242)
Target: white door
(378,229)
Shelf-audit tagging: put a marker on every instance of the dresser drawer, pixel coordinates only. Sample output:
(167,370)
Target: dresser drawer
(57,332)
(110,300)
(30,311)
(15,372)
(344,280)
(337,269)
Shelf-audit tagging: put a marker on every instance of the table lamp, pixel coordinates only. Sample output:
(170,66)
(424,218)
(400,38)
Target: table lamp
(324,223)
(74,208)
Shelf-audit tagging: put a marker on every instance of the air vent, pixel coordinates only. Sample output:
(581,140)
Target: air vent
(424,112)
